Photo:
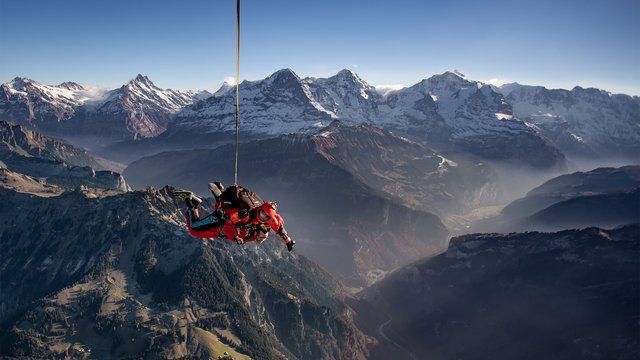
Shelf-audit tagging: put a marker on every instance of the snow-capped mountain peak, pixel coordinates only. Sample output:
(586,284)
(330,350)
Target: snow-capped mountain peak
(581,122)
(348,76)
(142,80)
(142,94)
(284,77)
(348,80)
(70,85)
(225,88)
(63,98)
(456,72)
(447,108)
(450,81)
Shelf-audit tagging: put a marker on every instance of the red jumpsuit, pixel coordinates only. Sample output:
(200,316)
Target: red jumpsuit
(235,221)
(228,230)
(237,226)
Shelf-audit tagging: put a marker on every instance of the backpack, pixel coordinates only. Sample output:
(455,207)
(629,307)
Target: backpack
(239,198)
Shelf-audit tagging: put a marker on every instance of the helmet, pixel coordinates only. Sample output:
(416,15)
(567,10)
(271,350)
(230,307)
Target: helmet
(266,211)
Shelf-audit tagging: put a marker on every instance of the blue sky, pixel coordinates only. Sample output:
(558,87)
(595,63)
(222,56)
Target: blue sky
(191,44)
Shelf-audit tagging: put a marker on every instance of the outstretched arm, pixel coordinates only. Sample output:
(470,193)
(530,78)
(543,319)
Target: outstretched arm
(277,224)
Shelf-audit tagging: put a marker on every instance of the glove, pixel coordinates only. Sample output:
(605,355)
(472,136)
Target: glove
(239,240)
(290,244)
(243,214)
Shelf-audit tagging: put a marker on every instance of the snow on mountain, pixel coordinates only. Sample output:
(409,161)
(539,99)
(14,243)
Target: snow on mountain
(447,110)
(454,112)
(31,101)
(470,108)
(225,88)
(141,94)
(345,96)
(581,121)
(136,110)
(279,104)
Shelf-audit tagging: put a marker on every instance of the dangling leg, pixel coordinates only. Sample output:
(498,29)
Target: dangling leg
(202,231)
(191,200)
(206,223)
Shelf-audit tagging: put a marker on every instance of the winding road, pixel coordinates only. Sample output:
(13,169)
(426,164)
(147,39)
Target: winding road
(384,336)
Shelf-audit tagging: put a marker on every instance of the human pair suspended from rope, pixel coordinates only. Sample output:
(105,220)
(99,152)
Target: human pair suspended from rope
(239,215)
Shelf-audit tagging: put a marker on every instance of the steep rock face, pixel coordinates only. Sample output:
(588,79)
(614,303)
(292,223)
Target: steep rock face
(119,276)
(37,156)
(581,122)
(571,294)
(28,101)
(345,210)
(601,197)
(346,96)
(398,167)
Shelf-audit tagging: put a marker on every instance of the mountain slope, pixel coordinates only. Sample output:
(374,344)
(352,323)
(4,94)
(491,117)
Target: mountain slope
(415,174)
(571,294)
(581,122)
(343,204)
(279,104)
(480,121)
(138,109)
(119,276)
(37,156)
(27,101)
(601,197)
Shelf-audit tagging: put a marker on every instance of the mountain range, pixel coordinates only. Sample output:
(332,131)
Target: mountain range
(523,125)
(92,117)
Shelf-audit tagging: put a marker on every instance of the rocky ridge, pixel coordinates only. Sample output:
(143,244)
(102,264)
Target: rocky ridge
(119,276)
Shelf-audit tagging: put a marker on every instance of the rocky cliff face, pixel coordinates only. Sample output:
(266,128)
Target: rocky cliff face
(441,183)
(38,157)
(571,294)
(118,276)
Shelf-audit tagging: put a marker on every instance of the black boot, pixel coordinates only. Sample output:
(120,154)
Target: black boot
(188,197)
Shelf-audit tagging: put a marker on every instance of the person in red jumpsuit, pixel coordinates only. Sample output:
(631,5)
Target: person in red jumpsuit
(232,223)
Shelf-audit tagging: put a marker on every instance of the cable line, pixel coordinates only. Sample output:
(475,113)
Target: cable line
(235,177)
